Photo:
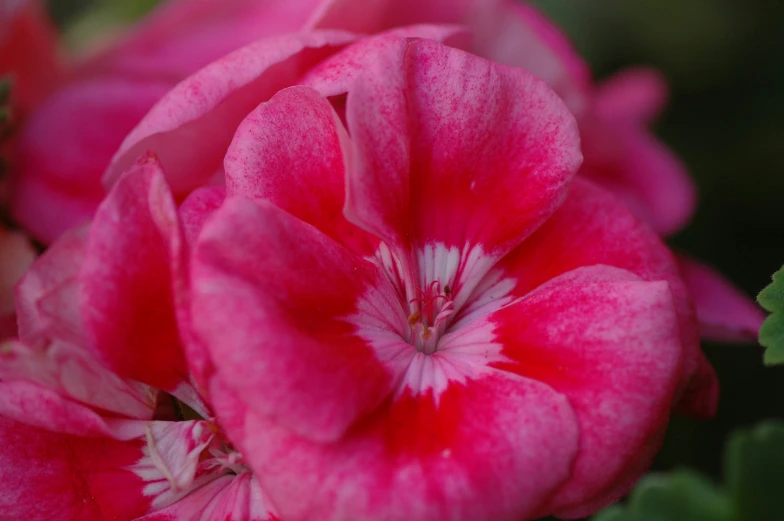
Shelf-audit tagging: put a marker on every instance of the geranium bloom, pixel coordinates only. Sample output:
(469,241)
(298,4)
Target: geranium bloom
(419,315)
(454,343)
(82,443)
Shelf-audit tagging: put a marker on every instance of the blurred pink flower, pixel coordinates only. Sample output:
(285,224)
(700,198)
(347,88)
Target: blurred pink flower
(28,52)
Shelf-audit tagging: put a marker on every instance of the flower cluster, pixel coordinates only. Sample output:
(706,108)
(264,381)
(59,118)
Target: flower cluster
(348,260)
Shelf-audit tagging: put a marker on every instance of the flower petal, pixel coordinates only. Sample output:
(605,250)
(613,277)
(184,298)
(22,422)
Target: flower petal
(195,210)
(609,341)
(61,478)
(511,33)
(593,227)
(73,374)
(228,498)
(636,94)
(180,37)
(724,312)
(490,449)
(622,154)
(44,408)
(277,324)
(128,304)
(289,151)
(444,139)
(50,281)
(202,111)
(65,146)
(337,74)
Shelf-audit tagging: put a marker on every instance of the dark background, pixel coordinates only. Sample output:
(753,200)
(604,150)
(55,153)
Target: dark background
(725,63)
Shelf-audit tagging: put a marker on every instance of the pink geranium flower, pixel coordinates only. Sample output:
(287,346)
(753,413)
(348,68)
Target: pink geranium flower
(455,343)
(415,315)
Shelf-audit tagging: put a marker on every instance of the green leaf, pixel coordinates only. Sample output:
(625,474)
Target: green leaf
(754,471)
(754,476)
(679,496)
(771,333)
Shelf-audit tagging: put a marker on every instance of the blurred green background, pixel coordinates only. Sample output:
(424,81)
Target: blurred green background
(725,63)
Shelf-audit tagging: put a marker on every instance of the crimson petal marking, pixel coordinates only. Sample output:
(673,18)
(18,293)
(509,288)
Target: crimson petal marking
(289,151)
(271,301)
(492,449)
(435,160)
(55,477)
(128,305)
(609,341)
(205,108)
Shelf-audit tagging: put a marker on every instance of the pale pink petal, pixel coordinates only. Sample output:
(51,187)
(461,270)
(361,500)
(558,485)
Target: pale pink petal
(439,152)
(289,151)
(173,456)
(49,283)
(44,408)
(202,112)
(128,304)
(55,477)
(65,146)
(75,375)
(593,227)
(271,301)
(724,312)
(491,448)
(228,498)
(609,341)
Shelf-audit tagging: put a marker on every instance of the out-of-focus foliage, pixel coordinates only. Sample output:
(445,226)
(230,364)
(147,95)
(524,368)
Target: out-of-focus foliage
(754,473)
(772,332)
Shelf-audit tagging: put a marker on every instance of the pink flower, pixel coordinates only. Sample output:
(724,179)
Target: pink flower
(459,342)
(81,442)
(415,314)
(67,145)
